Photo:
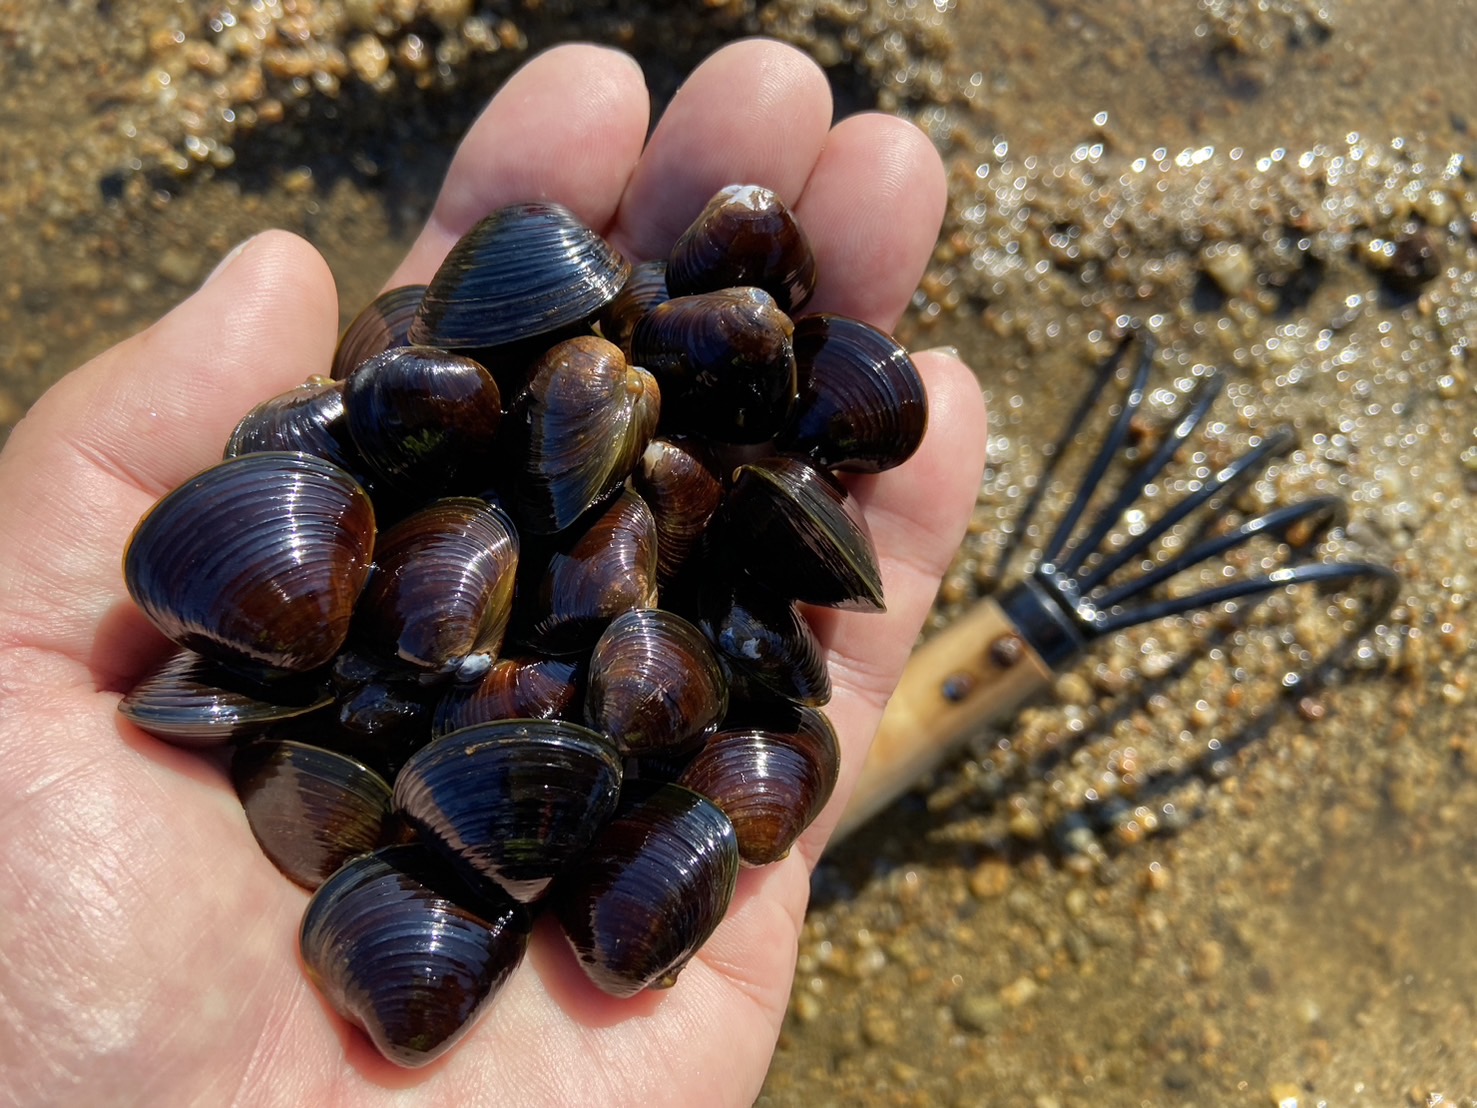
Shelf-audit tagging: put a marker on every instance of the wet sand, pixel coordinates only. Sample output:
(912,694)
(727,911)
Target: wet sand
(1170,882)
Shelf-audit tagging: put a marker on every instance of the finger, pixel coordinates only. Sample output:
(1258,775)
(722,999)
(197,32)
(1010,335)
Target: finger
(873,206)
(568,126)
(110,438)
(756,111)
(917,514)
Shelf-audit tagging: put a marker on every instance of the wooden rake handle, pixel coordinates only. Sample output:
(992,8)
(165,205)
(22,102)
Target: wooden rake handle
(977,669)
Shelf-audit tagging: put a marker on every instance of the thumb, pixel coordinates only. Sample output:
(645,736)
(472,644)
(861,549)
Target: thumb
(107,440)
(158,406)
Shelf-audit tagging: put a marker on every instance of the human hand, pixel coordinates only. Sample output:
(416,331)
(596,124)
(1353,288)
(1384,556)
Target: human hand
(147,948)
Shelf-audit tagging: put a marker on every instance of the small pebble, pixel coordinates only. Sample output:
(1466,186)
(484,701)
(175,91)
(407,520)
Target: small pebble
(1208,960)
(978,1011)
(1020,991)
(989,879)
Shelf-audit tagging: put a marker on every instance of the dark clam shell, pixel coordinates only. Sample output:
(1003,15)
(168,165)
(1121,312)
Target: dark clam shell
(655,683)
(810,540)
(442,590)
(576,431)
(608,569)
(679,482)
(651,890)
(311,809)
(724,361)
(191,701)
(403,950)
(745,236)
(861,405)
(258,560)
(525,270)
(375,695)
(423,417)
(309,418)
(762,638)
(512,801)
(770,784)
(643,290)
(514,688)
(383,325)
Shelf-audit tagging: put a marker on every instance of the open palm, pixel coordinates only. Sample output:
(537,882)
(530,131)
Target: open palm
(147,948)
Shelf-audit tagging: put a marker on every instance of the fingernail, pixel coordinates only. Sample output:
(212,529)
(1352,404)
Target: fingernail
(225,263)
(946,351)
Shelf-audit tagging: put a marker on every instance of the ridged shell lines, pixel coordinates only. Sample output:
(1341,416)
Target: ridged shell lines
(443,584)
(259,559)
(527,269)
(513,801)
(651,891)
(310,809)
(655,683)
(581,426)
(405,963)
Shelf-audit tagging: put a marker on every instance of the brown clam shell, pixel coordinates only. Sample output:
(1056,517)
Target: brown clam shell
(654,684)
(400,947)
(810,541)
(745,236)
(607,569)
(191,701)
(514,688)
(442,591)
(576,431)
(650,891)
(383,325)
(724,361)
(762,638)
(423,417)
(309,418)
(311,809)
(512,801)
(258,560)
(770,784)
(643,290)
(861,405)
(525,270)
(679,481)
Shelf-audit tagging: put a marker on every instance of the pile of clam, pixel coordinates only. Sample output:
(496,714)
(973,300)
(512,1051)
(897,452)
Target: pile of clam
(505,617)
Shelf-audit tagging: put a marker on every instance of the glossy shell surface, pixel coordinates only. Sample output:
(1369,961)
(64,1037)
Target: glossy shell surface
(527,269)
(521,687)
(382,325)
(442,588)
(861,404)
(771,784)
(311,809)
(608,569)
(651,889)
(513,801)
(745,236)
(389,943)
(724,361)
(190,701)
(422,417)
(655,683)
(258,560)
(815,543)
(577,431)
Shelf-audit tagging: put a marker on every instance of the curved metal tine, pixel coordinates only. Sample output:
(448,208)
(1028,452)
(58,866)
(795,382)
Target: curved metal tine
(1133,487)
(1112,443)
(1230,476)
(1325,573)
(1085,406)
(1327,511)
